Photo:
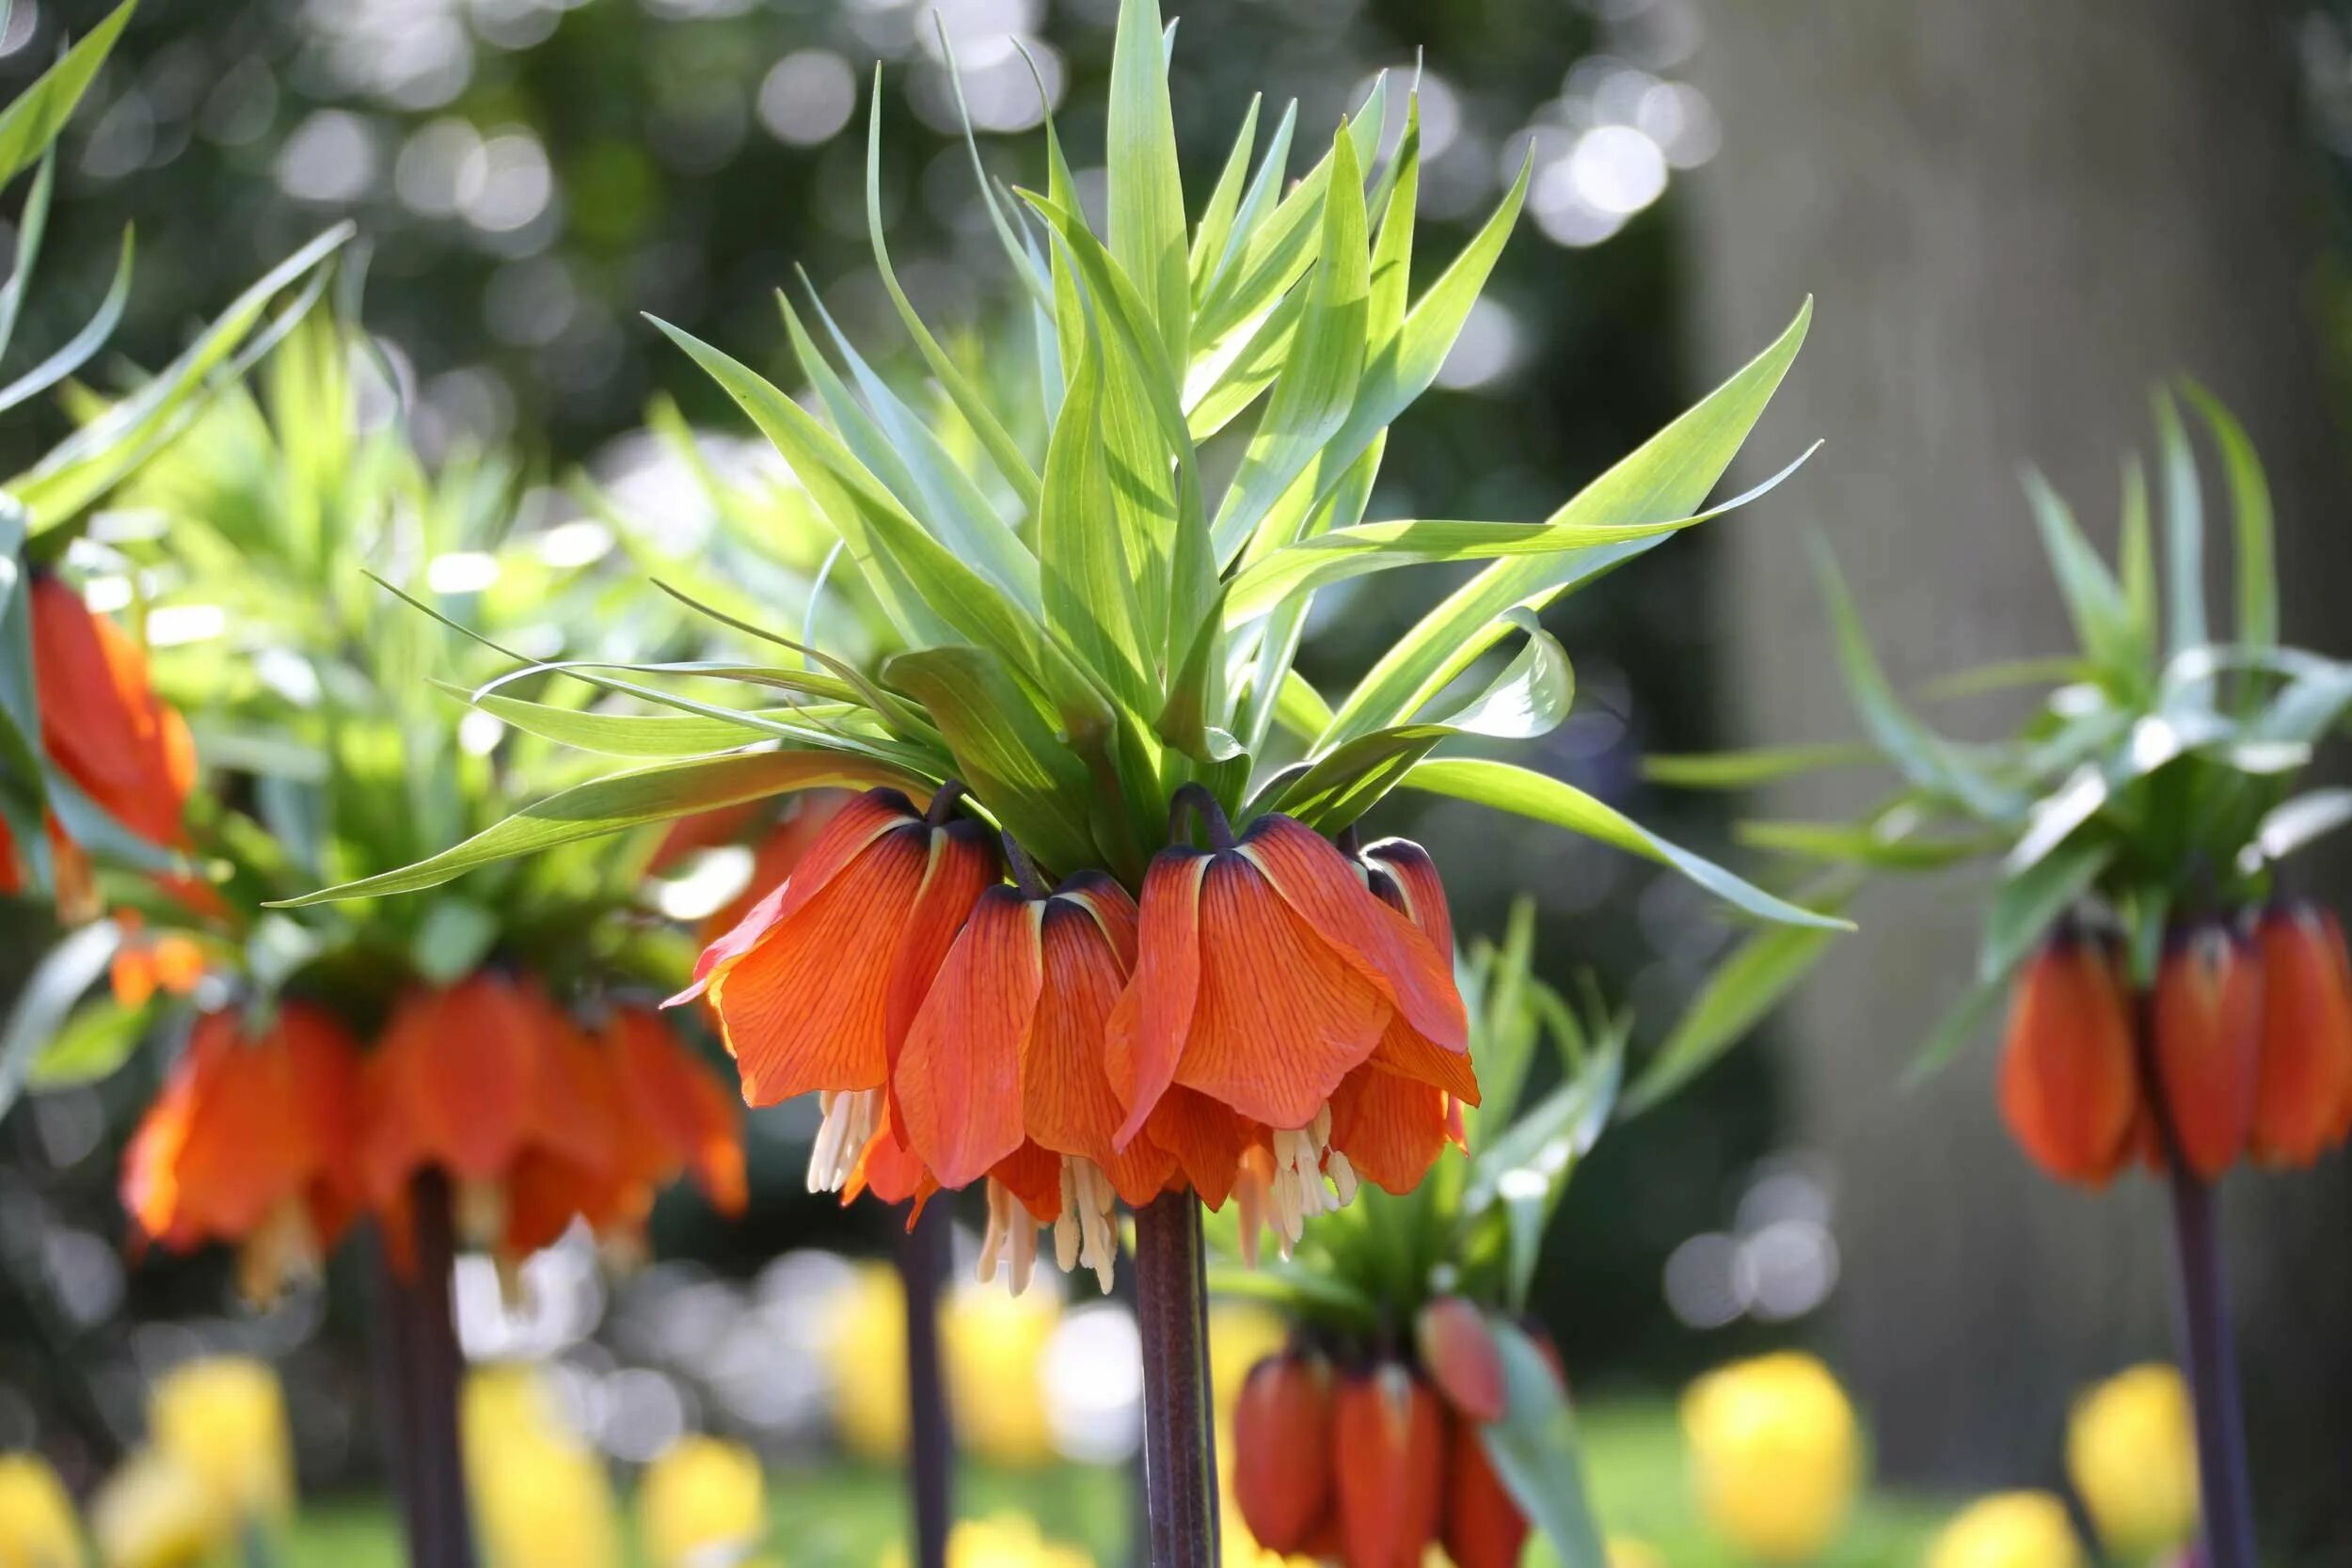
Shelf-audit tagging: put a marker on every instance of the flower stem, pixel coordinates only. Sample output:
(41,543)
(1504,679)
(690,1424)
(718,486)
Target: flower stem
(1179,1441)
(420,1369)
(2226,1492)
(931,1447)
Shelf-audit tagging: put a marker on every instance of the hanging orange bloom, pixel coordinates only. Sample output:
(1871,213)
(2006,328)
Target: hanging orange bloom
(1387,1458)
(105,731)
(1483,1527)
(487,1081)
(2303,1097)
(2208,1028)
(776,854)
(1006,1053)
(676,1114)
(2070,1083)
(1282,1450)
(817,986)
(250,1145)
(1267,973)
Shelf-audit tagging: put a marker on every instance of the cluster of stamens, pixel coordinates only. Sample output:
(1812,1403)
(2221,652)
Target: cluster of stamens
(1304,1163)
(1086,1231)
(1011,1240)
(848,1126)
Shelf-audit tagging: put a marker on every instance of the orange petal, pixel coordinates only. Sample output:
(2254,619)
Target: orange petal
(1391,1128)
(1406,879)
(2307,1035)
(459,1071)
(2069,1080)
(681,1101)
(1145,1036)
(1483,1526)
(1388,1457)
(1318,881)
(888,1169)
(245,1149)
(806,1008)
(2208,1040)
(851,832)
(1282,1449)
(1033,1174)
(1280,1017)
(91,726)
(1067,1101)
(778,854)
(962,863)
(1205,1139)
(959,1074)
(576,1105)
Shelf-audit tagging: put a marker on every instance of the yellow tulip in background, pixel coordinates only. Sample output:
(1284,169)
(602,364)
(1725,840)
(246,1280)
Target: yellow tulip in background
(2130,1451)
(1775,1454)
(1000,1541)
(2009,1530)
(994,1348)
(701,1501)
(223,1418)
(156,1512)
(541,1496)
(36,1529)
(1630,1551)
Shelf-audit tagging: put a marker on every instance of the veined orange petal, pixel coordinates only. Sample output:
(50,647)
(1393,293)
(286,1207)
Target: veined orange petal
(891,1171)
(1146,1032)
(962,864)
(1068,1104)
(806,1008)
(1390,1128)
(456,1072)
(1033,1174)
(851,832)
(1314,878)
(1279,1017)
(959,1076)
(1204,1138)
(1405,877)
(778,854)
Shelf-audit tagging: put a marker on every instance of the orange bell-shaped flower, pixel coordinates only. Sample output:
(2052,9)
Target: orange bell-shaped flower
(2207,1042)
(676,1114)
(817,986)
(2069,1080)
(250,1145)
(1282,1450)
(1388,1461)
(1482,1525)
(2303,1096)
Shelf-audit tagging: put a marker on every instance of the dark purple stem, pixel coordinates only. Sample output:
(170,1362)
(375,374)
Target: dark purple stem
(930,1443)
(2203,1312)
(1178,1440)
(1196,798)
(419,1372)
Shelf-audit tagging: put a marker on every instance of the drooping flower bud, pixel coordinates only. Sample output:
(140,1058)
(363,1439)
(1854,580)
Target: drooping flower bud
(1282,1449)
(2069,1087)
(2303,1096)
(1457,1351)
(1483,1526)
(2207,1041)
(1388,1454)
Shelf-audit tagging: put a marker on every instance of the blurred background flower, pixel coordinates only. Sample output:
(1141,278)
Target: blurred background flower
(2131,1452)
(37,1525)
(1775,1454)
(2010,1529)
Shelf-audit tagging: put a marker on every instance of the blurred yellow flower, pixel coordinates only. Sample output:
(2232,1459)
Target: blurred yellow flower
(224,1419)
(864,1339)
(37,1527)
(2009,1530)
(2131,1450)
(995,1344)
(995,1347)
(156,1512)
(1775,1454)
(999,1541)
(699,1499)
(1630,1551)
(541,1496)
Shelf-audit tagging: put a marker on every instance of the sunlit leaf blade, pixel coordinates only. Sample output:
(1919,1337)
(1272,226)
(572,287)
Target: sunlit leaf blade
(2295,822)
(631,735)
(1530,697)
(90,1044)
(1217,218)
(1741,992)
(1341,785)
(28,125)
(76,350)
(88,463)
(2183,533)
(1508,787)
(31,224)
(2136,561)
(1751,769)
(1668,476)
(2029,903)
(1003,749)
(1536,1452)
(624,801)
(1088,584)
(1350,552)
(55,984)
(2249,506)
(2095,601)
(1147,196)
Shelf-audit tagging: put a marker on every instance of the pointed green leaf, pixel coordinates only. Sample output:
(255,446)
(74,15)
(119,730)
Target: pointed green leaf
(1536,1455)
(2184,534)
(70,355)
(1217,218)
(2030,902)
(1088,583)
(1743,990)
(1748,769)
(2249,505)
(1147,193)
(32,122)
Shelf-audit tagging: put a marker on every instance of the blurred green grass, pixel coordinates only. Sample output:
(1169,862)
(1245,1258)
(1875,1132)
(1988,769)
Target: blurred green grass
(850,1516)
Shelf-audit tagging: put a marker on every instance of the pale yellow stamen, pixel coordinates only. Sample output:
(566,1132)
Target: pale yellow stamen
(1303,1158)
(1010,1241)
(1086,1235)
(841,1137)
(285,1250)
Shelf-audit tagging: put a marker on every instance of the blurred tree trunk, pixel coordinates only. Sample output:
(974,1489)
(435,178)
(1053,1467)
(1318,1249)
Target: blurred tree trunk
(2016,217)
